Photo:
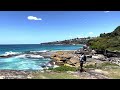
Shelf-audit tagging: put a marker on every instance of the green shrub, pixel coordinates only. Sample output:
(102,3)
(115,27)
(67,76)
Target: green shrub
(50,68)
(63,68)
(106,41)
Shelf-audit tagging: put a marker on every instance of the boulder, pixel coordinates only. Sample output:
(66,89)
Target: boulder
(59,53)
(72,61)
(57,58)
(67,56)
(54,55)
(61,56)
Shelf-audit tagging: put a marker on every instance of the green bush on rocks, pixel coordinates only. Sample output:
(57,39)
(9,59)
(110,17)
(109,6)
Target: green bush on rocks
(63,68)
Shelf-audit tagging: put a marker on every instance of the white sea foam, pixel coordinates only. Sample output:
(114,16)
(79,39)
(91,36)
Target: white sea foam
(21,56)
(10,53)
(29,56)
(34,56)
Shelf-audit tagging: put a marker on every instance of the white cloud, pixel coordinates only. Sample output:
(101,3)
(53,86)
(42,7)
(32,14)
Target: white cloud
(90,32)
(33,18)
(106,11)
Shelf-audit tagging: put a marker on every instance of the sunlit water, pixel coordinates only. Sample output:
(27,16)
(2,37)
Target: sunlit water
(18,63)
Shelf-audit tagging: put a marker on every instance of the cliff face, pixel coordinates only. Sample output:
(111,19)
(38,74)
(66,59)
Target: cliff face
(107,41)
(70,41)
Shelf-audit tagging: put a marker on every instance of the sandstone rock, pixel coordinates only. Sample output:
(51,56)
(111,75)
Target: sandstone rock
(72,61)
(61,56)
(54,55)
(57,58)
(67,56)
(59,53)
(77,64)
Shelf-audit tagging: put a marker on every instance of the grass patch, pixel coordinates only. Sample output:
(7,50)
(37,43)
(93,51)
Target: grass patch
(102,65)
(113,73)
(54,75)
(108,64)
(64,68)
(90,66)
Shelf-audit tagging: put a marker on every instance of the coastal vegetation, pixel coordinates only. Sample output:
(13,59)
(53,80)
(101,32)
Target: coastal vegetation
(101,65)
(53,75)
(64,68)
(106,41)
(103,70)
(97,65)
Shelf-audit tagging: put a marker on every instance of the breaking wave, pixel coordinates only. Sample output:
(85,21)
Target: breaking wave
(10,53)
(32,56)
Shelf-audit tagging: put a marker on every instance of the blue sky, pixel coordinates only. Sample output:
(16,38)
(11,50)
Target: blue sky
(34,27)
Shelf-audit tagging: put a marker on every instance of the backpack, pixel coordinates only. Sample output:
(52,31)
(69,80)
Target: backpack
(84,58)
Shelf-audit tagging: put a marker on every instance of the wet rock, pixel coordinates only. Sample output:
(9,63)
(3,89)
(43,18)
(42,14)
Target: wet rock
(8,56)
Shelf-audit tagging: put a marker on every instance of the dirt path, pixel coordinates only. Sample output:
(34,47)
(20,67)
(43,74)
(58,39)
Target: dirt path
(14,74)
(91,74)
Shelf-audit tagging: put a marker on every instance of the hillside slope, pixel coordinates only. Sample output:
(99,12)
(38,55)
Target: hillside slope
(107,41)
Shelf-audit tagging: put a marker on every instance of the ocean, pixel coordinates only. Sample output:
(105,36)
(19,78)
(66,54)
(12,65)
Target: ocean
(20,62)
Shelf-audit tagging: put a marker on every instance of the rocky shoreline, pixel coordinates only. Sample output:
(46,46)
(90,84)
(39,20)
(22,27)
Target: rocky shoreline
(70,58)
(60,58)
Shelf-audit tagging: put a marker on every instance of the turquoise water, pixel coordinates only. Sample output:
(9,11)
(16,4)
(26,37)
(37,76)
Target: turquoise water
(18,63)
(21,64)
(36,47)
